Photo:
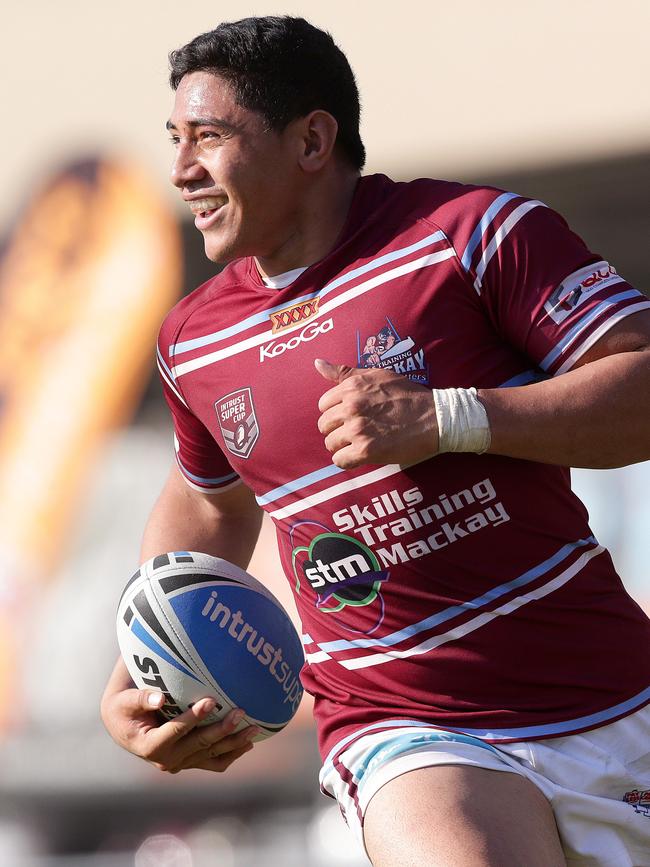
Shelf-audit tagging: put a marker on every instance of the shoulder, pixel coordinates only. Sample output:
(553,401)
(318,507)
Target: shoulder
(453,205)
(195,306)
(458,209)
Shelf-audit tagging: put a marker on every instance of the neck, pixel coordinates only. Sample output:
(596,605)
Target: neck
(323,212)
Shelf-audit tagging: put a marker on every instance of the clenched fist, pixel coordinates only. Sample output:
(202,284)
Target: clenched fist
(373,416)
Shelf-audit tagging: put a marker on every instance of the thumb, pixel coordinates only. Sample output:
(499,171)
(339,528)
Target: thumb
(333,372)
(143,699)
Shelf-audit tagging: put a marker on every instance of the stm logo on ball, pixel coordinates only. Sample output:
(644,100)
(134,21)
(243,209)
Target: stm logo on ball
(308,333)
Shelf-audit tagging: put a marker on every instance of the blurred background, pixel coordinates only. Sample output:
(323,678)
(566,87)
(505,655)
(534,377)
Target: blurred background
(548,99)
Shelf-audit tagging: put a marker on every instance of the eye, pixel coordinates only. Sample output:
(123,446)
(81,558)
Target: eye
(209,135)
(174,139)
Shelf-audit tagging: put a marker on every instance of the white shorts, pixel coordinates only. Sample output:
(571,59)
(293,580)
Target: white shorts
(597,782)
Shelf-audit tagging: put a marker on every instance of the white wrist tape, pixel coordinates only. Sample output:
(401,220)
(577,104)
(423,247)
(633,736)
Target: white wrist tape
(463,424)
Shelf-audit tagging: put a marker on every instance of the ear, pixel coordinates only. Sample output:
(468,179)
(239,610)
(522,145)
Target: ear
(318,131)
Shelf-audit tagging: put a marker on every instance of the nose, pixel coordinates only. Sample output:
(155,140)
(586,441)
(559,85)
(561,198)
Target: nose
(185,168)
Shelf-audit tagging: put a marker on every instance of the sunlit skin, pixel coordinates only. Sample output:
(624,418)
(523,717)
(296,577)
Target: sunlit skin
(281,197)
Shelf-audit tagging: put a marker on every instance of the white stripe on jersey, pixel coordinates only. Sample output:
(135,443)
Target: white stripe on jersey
(315,658)
(259,318)
(598,333)
(165,373)
(474,623)
(452,612)
(349,294)
(507,225)
(211,491)
(335,490)
(482,227)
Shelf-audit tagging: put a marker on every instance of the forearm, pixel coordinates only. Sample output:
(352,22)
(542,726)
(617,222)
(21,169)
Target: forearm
(595,416)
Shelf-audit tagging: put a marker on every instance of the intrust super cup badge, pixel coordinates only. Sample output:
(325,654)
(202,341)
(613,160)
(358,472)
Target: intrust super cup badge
(238,422)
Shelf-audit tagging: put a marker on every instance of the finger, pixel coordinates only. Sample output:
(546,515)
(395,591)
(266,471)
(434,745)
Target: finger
(202,739)
(134,701)
(333,372)
(338,439)
(220,763)
(330,399)
(236,743)
(173,730)
(348,458)
(331,419)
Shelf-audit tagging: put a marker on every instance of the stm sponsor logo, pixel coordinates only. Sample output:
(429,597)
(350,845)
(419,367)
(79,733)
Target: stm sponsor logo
(578,287)
(308,333)
(264,652)
(344,574)
(282,319)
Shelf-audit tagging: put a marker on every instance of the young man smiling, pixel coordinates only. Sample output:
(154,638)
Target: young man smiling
(473,702)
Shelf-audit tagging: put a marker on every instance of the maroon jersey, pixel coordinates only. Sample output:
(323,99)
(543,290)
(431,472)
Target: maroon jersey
(467,590)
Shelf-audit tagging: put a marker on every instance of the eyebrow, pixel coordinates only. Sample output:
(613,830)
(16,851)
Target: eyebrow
(205,121)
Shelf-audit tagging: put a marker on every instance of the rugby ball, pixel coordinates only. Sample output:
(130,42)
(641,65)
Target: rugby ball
(193,625)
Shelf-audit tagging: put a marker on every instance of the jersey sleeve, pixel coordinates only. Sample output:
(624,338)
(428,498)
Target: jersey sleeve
(201,462)
(545,292)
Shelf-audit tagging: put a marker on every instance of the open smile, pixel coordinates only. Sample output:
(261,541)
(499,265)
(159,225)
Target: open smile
(206,210)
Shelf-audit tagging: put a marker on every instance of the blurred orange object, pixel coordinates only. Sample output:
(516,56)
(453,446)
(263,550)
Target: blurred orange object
(89,270)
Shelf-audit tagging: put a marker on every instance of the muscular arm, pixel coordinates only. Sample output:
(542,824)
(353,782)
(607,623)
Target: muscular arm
(597,415)
(226,525)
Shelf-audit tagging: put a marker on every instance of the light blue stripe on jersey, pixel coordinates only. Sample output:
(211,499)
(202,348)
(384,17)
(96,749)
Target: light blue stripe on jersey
(257,318)
(299,484)
(558,729)
(383,260)
(201,481)
(586,320)
(455,610)
(524,378)
(215,337)
(512,734)
(479,231)
(330,470)
(162,363)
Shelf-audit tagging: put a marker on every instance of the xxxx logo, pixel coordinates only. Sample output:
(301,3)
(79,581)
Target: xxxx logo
(282,319)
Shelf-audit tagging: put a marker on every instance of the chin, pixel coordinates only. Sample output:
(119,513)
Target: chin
(219,253)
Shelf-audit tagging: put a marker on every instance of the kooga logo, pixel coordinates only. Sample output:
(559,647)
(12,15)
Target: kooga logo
(309,332)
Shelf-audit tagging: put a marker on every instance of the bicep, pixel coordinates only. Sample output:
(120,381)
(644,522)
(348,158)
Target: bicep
(225,523)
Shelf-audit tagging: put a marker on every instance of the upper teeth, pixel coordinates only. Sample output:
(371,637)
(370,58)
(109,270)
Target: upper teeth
(198,206)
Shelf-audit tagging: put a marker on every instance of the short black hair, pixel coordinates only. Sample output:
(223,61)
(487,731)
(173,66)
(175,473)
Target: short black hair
(281,67)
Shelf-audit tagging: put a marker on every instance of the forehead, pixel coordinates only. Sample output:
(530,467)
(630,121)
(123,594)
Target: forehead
(203,95)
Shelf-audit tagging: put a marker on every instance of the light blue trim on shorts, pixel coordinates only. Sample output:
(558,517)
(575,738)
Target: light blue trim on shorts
(406,743)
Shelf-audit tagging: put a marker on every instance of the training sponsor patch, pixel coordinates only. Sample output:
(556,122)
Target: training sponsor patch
(385,349)
(579,286)
(281,319)
(238,422)
(640,800)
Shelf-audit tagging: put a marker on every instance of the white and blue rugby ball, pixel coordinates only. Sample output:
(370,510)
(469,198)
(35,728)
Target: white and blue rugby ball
(193,626)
